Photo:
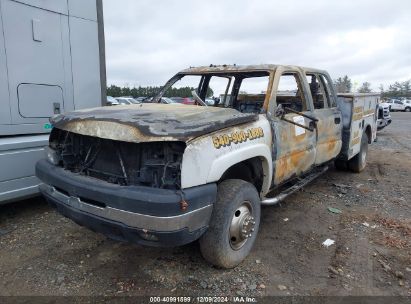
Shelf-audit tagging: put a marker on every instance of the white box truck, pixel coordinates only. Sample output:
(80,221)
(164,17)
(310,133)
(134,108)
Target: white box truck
(51,61)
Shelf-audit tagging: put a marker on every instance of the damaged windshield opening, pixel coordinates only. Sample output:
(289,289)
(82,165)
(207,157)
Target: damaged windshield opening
(245,92)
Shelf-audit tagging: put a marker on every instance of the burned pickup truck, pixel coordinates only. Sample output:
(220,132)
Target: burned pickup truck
(168,174)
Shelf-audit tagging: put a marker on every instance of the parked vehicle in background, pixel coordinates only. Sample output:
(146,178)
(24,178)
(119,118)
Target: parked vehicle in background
(140,99)
(51,61)
(167,176)
(127,100)
(167,100)
(111,101)
(384,116)
(188,101)
(399,105)
(123,101)
(407,103)
(211,101)
(177,99)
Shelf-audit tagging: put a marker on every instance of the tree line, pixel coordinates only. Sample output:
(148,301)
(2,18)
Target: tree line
(116,91)
(397,89)
(342,85)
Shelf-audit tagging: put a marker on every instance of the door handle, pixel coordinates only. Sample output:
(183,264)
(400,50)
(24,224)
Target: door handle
(56,108)
(337,120)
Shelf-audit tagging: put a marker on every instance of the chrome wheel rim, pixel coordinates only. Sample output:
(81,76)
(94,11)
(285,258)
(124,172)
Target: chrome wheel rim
(242,226)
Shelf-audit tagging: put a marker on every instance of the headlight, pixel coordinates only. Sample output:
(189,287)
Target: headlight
(52,156)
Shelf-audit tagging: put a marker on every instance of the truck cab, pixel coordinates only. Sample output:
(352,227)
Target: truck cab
(166,174)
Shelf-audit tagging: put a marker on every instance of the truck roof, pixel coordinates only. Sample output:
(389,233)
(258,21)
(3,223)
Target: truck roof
(245,68)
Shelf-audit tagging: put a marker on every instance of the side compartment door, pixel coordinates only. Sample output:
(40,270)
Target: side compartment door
(329,125)
(293,146)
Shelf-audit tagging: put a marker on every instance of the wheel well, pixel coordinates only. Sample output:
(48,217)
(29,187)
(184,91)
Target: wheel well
(249,170)
(369,133)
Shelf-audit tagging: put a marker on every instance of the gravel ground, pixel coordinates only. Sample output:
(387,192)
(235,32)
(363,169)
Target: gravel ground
(42,253)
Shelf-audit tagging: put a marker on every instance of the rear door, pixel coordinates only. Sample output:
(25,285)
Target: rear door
(329,124)
(293,146)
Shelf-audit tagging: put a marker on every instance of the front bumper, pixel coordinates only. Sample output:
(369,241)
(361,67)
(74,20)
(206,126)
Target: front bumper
(137,214)
(384,122)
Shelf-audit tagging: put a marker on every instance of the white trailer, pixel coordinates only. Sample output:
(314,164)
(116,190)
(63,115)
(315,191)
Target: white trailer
(51,60)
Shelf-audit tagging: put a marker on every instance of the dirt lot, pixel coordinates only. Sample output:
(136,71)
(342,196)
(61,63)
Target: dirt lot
(42,253)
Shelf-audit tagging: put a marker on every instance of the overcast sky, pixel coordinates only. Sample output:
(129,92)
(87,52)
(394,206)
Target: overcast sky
(147,41)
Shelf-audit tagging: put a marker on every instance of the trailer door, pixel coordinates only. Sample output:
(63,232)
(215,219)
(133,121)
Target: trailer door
(35,59)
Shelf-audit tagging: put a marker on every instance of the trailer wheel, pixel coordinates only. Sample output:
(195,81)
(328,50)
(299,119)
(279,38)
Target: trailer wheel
(234,224)
(340,165)
(358,162)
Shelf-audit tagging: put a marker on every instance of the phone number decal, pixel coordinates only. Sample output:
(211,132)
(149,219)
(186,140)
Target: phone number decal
(226,140)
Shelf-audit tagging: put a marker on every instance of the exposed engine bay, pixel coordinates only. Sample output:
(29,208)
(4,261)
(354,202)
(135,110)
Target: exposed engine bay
(152,164)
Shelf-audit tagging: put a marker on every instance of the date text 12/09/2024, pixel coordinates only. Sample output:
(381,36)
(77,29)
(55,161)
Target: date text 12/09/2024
(206,299)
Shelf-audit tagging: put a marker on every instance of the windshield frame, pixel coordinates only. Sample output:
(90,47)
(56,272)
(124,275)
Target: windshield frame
(234,75)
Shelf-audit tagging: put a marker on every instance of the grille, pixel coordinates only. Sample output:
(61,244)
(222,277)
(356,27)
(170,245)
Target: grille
(153,164)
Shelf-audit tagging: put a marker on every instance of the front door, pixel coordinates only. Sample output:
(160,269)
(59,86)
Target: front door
(293,146)
(329,124)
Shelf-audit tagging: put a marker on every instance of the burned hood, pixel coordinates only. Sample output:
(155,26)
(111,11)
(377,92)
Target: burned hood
(150,122)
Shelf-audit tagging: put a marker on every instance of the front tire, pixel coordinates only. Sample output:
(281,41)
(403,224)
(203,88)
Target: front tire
(407,109)
(358,162)
(234,224)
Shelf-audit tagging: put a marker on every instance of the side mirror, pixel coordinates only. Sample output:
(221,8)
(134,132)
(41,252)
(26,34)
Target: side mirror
(312,124)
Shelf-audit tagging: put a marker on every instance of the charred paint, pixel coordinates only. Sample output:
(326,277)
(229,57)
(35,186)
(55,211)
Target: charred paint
(151,122)
(294,153)
(293,165)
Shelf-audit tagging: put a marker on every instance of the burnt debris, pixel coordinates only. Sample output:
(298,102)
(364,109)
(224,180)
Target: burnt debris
(152,164)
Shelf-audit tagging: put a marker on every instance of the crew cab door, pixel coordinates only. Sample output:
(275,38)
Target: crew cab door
(329,120)
(293,146)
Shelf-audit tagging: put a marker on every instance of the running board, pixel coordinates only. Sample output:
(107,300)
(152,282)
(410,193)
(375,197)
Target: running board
(298,185)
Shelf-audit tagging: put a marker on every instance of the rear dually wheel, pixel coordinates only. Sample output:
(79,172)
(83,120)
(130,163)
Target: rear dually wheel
(359,161)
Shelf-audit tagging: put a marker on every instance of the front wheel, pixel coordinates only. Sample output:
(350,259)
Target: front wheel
(358,162)
(407,109)
(234,224)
